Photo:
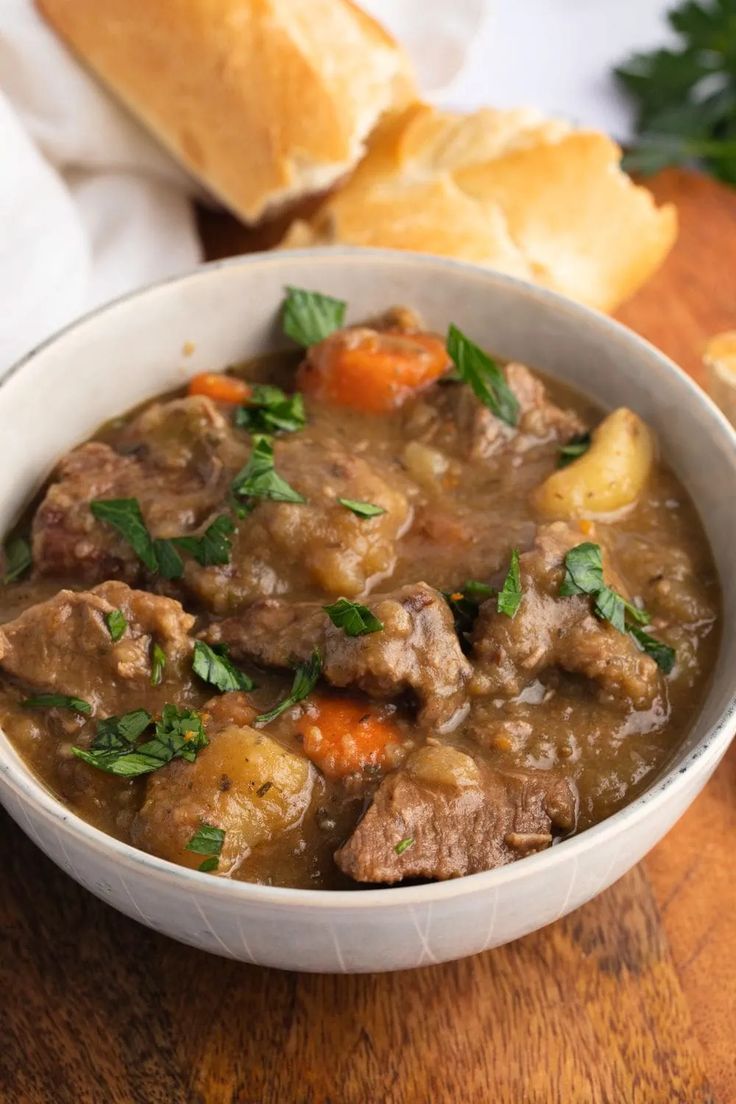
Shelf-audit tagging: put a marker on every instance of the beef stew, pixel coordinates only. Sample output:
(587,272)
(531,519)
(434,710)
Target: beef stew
(377,610)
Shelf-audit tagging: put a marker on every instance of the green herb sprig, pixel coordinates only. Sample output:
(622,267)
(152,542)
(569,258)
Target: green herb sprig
(214,666)
(584,575)
(179,734)
(207,840)
(160,556)
(509,596)
(18,559)
(465,603)
(361,509)
(352,618)
(483,376)
(685,96)
(309,316)
(271,410)
(259,478)
(305,680)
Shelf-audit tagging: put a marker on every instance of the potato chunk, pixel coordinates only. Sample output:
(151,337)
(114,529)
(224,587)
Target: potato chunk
(244,783)
(608,477)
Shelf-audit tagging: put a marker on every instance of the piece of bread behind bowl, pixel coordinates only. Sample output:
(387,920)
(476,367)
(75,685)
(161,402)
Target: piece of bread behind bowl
(508,189)
(265,101)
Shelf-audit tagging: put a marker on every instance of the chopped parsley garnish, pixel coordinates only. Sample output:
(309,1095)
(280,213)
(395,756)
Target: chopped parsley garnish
(207,840)
(116,624)
(310,316)
(352,618)
(662,654)
(212,665)
(158,665)
(466,602)
(161,555)
(509,596)
(483,375)
(58,701)
(362,509)
(124,514)
(404,845)
(259,478)
(179,734)
(577,446)
(271,410)
(213,547)
(17,558)
(584,575)
(169,562)
(305,680)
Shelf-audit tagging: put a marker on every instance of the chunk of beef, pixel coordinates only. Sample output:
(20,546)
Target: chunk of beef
(318,542)
(243,782)
(446,814)
(417,650)
(181,456)
(67,540)
(64,646)
(550,631)
(455,418)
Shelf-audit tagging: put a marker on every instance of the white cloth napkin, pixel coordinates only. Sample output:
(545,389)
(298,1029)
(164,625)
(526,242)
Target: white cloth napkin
(91,207)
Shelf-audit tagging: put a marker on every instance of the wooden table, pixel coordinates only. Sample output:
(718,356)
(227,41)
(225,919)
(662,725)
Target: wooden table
(630,1000)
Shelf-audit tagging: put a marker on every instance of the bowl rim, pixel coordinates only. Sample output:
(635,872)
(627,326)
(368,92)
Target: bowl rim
(29,790)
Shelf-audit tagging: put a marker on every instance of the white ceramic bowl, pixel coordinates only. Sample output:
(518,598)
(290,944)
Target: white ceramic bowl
(142,345)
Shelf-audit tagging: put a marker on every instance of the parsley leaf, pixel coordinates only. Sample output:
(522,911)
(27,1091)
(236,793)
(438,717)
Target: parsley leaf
(58,701)
(158,665)
(483,376)
(685,96)
(259,478)
(178,735)
(584,575)
(116,624)
(577,446)
(466,602)
(168,560)
(121,732)
(213,666)
(583,570)
(270,410)
(352,618)
(309,316)
(161,555)
(124,514)
(213,547)
(207,840)
(404,845)
(662,654)
(17,558)
(509,596)
(362,509)
(305,680)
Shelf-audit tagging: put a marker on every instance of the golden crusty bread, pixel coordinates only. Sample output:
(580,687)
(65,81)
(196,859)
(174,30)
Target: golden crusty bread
(507,189)
(720,362)
(265,101)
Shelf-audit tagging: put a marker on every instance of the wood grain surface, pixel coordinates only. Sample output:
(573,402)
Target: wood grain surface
(631,1000)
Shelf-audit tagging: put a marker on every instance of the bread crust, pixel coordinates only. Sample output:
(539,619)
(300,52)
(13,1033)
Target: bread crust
(508,189)
(264,101)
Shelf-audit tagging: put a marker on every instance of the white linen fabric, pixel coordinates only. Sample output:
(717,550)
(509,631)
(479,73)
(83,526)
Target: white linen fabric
(91,207)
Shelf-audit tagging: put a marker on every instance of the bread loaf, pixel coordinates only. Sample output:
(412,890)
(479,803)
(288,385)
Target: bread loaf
(508,189)
(265,101)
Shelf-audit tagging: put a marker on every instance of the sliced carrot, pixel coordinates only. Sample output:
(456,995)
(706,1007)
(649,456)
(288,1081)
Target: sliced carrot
(372,370)
(218,386)
(341,736)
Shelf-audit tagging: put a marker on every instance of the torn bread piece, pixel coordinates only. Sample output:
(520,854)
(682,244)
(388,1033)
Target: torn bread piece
(264,101)
(507,189)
